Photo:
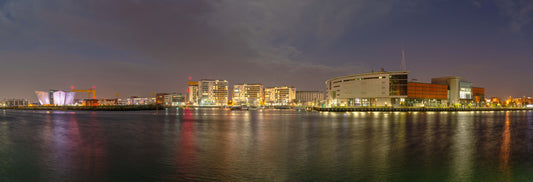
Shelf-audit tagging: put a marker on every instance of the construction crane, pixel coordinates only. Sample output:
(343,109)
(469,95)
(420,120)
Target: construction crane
(89,92)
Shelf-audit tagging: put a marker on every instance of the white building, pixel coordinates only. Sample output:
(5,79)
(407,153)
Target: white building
(213,92)
(57,98)
(192,93)
(368,89)
(137,101)
(280,96)
(174,99)
(309,98)
(248,94)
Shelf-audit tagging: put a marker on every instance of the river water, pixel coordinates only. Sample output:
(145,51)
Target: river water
(268,145)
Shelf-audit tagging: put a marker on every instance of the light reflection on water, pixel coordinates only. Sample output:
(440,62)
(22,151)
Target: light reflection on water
(269,145)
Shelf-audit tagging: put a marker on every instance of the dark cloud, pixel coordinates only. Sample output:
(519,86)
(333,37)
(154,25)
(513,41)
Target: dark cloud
(138,46)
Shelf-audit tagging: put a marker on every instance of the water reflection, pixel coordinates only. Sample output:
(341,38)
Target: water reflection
(269,145)
(505,150)
(463,147)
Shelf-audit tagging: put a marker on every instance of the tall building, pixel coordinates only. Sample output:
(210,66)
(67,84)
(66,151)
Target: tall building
(248,94)
(368,89)
(309,98)
(213,92)
(56,97)
(280,96)
(192,93)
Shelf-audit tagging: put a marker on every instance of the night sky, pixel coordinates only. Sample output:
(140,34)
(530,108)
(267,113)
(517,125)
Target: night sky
(134,47)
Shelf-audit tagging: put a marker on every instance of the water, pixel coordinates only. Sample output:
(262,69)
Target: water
(270,145)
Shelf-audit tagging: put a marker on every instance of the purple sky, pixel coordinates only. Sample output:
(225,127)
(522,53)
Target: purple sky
(134,47)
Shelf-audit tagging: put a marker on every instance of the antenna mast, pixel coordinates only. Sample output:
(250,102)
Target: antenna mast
(404,66)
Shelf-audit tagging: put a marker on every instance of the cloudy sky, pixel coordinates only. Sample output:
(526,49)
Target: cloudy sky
(134,47)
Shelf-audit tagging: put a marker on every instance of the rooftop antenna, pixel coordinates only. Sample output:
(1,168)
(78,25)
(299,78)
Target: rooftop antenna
(404,66)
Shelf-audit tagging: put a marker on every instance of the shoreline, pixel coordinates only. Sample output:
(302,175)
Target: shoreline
(417,109)
(87,108)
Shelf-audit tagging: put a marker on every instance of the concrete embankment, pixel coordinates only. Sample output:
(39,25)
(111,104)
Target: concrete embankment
(421,109)
(87,108)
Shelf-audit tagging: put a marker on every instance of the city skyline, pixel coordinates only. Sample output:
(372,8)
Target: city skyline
(138,47)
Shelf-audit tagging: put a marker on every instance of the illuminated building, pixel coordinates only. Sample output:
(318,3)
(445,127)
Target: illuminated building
(170,99)
(309,98)
(192,93)
(213,92)
(176,99)
(368,89)
(160,98)
(280,96)
(248,94)
(56,97)
(135,100)
(478,95)
(14,103)
(460,91)
(107,102)
(426,94)
(393,89)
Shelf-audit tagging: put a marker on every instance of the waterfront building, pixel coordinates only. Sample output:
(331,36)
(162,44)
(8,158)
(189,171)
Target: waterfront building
(160,98)
(192,93)
(280,96)
(309,98)
(368,89)
(460,91)
(478,96)
(426,94)
(173,99)
(213,92)
(55,97)
(14,103)
(248,94)
(134,100)
(105,102)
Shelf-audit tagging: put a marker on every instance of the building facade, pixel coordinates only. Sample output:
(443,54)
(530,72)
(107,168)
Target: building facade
(55,97)
(14,103)
(309,98)
(173,99)
(393,89)
(368,89)
(192,93)
(135,100)
(460,91)
(213,92)
(280,96)
(426,94)
(106,102)
(248,94)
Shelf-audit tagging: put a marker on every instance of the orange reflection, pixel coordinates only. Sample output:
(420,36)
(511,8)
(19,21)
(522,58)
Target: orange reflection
(505,150)
(186,147)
